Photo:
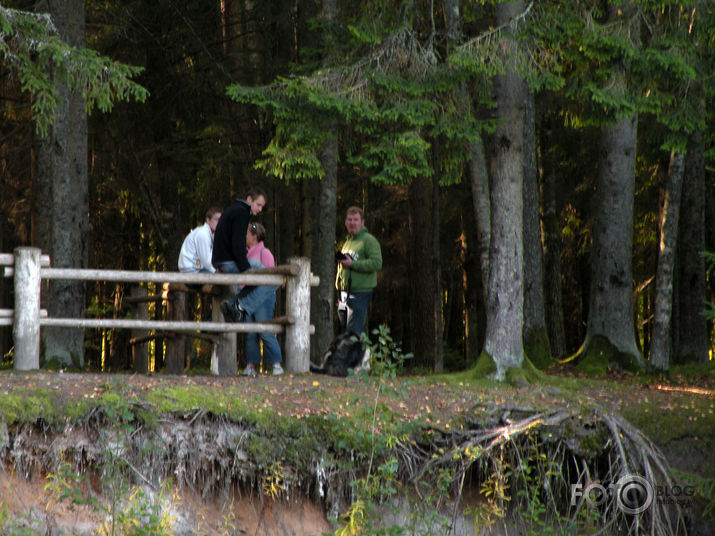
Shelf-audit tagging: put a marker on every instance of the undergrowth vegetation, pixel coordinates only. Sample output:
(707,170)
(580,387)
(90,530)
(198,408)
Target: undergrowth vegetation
(506,464)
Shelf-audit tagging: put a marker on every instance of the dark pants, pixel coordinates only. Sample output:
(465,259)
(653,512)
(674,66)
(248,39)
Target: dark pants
(352,311)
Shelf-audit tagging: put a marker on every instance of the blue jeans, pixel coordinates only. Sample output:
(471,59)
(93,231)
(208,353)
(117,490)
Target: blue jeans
(271,348)
(250,298)
(259,302)
(352,311)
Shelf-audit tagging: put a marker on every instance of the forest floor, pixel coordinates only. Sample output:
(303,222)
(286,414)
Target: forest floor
(676,412)
(668,409)
(438,399)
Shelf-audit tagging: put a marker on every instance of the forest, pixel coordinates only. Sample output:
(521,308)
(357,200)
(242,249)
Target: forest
(539,174)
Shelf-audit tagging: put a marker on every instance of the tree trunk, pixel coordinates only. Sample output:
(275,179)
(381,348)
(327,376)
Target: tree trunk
(438,361)
(421,309)
(474,302)
(661,349)
(481,199)
(323,302)
(505,305)
(692,326)
(611,307)
(553,289)
(62,199)
(536,338)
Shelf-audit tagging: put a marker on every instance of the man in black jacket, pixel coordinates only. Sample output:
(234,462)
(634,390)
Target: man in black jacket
(229,253)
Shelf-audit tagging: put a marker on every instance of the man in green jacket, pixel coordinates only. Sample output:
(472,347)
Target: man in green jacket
(358,262)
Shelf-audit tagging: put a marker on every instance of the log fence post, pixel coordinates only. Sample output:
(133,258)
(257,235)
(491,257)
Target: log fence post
(297,332)
(223,354)
(140,311)
(175,342)
(26,325)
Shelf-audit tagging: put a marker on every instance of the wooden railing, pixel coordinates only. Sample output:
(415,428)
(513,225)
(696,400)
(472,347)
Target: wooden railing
(28,268)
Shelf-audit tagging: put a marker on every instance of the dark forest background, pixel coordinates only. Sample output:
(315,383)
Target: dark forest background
(153,168)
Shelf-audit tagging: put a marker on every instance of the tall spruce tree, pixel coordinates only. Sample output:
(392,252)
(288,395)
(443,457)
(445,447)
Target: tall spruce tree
(47,53)
(505,302)
(323,303)
(621,60)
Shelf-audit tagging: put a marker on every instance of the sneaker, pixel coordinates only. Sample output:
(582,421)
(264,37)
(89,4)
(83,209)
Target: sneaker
(250,370)
(277,369)
(241,313)
(227,311)
(232,311)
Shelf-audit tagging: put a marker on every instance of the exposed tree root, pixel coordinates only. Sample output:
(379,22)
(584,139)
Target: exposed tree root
(598,474)
(592,474)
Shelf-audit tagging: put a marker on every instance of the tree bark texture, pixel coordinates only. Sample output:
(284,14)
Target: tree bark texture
(661,343)
(323,304)
(554,308)
(611,306)
(505,305)
(692,326)
(535,331)
(62,199)
(481,200)
(324,300)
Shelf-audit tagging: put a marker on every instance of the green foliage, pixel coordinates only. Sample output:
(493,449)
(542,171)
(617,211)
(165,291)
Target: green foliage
(291,160)
(25,525)
(142,514)
(397,160)
(27,406)
(39,59)
(643,61)
(117,408)
(386,104)
(386,356)
(704,491)
(66,484)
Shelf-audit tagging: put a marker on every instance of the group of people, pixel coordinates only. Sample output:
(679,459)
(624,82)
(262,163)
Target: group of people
(229,242)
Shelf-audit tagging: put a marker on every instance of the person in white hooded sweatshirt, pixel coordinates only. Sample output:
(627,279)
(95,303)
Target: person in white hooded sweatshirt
(195,255)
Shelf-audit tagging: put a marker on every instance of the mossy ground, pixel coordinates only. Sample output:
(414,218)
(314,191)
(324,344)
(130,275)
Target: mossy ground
(598,356)
(298,418)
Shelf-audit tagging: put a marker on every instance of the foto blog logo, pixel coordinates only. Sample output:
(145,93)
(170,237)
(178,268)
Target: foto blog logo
(633,493)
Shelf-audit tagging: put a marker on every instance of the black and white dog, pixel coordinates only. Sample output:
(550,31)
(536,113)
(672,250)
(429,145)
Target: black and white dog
(344,352)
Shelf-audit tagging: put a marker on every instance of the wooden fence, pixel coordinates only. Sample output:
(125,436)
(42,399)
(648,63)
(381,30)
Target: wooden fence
(28,267)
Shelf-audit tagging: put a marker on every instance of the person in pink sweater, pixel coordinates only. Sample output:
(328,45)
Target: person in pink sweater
(259,256)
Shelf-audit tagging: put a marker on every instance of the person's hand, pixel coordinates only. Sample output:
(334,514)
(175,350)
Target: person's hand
(346,262)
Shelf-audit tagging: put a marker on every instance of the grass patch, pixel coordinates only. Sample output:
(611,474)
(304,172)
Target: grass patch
(28,405)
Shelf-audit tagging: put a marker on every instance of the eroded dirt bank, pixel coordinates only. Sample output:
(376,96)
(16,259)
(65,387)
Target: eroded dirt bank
(282,455)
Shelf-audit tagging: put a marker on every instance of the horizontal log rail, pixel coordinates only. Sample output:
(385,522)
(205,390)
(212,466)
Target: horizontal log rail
(8,259)
(257,276)
(28,267)
(126,323)
(7,315)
